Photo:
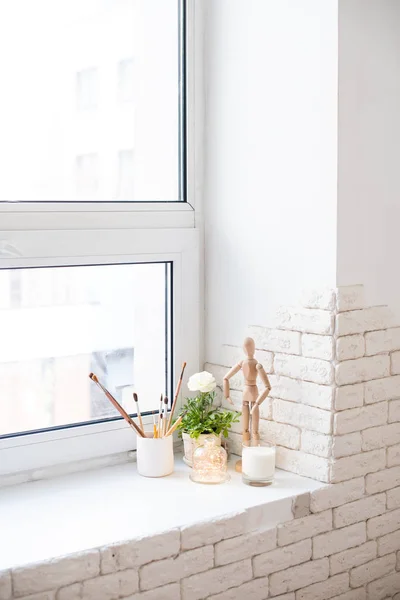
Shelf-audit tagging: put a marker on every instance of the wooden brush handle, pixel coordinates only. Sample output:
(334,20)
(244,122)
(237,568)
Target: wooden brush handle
(119,408)
(178,389)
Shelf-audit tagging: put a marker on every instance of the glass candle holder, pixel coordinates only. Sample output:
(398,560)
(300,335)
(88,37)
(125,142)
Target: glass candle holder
(209,463)
(258,464)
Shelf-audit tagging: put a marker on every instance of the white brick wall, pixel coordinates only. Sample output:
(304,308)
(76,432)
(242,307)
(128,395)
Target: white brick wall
(307,369)
(350,347)
(362,369)
(305,320)
(317,346)
(338,540)
(357,419)
(350,297)
(364,320)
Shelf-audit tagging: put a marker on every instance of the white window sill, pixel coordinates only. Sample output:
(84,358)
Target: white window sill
(45,519)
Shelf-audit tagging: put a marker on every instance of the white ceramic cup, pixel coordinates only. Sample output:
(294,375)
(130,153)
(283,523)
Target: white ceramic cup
(155,457)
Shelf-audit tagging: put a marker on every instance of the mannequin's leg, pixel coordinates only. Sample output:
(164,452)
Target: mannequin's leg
(246,422)
(255,424)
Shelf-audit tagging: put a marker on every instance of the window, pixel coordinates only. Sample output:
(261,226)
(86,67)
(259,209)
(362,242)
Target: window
(85,79)
(99,255)
(108,319)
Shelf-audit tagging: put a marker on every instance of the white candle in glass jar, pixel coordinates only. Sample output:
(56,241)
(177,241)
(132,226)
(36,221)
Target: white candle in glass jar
(258,462)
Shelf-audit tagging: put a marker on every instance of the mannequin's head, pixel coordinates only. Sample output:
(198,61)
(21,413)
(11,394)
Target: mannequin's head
(249,347)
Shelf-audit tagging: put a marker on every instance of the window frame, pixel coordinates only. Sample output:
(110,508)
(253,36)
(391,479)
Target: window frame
(181,248)
(65,233)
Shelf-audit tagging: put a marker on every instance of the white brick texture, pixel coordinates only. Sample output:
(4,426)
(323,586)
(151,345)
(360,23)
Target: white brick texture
(349,396)
(349,297)
(276,340)
(358,465)
(304,392)
(282,558)
(299,577)
(280,434)
(327,589)
(362,369)
(378,526)
(354,557)
(307,369)
(56,573)
(336,495)
(393,499)
(5,585)
(169,570)
(382,480)
(306,320)
(359,510)
(356,419)
(384,587)
(395,363)
(324,299)
(167,592)
(366,319)
(139,552)
(302,416)
(378,437)
(106,587)
(211,532)
(338,540)
(393,456)
(317,346)
(307,527)
(387,340)
(389,543)
(302,463)
(394,411)
(243,546)
(253,590)
(358,594)
(372,570)
(217,580)
(382,389)
(349,347)
(346,445)
(316,443)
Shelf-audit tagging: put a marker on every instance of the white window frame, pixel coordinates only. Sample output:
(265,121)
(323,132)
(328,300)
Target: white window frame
(57,234)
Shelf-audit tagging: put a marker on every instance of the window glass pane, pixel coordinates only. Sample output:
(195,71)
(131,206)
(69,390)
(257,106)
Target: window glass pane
(83,82)
(59,324)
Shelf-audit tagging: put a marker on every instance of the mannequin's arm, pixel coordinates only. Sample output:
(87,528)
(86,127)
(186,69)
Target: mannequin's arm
(265,380)
(228,376)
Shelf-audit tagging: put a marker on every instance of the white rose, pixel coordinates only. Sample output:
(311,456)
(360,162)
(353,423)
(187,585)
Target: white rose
(203,382)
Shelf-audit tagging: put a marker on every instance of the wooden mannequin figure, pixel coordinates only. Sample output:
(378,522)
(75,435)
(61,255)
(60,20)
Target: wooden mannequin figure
(251,368)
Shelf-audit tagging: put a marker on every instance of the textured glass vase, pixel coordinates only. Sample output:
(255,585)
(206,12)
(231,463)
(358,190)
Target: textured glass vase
(210,463)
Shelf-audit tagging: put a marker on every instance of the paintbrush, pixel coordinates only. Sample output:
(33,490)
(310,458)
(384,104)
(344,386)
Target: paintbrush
(176,424)
(155,432)
(161,426)
(136,399)
(160,411)
(178,389)
(117,405)
(165,415)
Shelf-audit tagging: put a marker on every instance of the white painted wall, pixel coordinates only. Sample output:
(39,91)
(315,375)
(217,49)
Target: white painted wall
(270,172)
(369,148)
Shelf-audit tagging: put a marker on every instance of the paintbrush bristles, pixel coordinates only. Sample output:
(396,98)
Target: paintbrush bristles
(136,399)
